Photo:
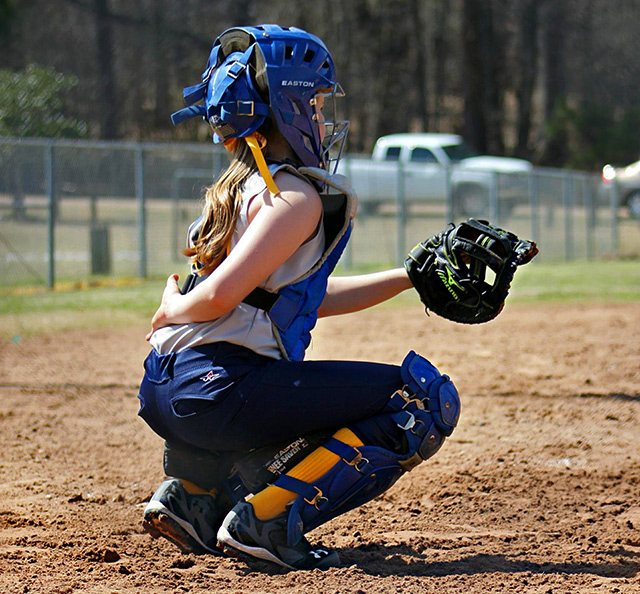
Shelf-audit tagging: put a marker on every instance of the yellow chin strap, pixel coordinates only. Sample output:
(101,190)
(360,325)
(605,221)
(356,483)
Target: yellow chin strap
(256,143)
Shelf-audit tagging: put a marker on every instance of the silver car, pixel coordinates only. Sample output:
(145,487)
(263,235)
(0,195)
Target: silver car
(627,181)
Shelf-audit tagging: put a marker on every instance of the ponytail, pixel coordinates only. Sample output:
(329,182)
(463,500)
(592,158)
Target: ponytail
(221,207)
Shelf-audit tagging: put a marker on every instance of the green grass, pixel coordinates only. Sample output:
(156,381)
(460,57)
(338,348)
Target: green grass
(579,281)
(118,303)
(107,305)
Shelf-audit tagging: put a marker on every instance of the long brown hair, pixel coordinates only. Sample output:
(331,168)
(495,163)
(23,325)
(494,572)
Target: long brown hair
(221,207)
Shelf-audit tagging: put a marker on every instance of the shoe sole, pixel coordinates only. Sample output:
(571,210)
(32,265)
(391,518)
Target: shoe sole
(231,547)
(226,541)
(159,522)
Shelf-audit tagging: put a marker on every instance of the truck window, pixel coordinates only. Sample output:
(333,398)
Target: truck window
(458,152)
(393,153)
(422,155)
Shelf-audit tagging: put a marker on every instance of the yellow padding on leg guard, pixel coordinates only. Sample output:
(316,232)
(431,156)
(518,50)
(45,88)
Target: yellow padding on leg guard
(272,501)
(193,489)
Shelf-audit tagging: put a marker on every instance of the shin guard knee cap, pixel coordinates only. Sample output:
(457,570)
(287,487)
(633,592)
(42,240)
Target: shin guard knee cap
(426,409)
(435,391)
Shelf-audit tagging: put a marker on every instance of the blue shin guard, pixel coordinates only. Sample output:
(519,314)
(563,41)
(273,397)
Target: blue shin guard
(412,428)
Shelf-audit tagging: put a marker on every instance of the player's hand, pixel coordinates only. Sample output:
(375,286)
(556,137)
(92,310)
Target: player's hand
(162,317)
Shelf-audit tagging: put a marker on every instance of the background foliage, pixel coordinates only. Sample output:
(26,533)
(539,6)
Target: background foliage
(555,81)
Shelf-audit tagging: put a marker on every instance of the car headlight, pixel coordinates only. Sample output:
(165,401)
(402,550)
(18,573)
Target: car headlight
(608,173)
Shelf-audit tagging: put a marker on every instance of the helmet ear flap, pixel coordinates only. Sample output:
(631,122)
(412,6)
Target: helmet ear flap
(234,108)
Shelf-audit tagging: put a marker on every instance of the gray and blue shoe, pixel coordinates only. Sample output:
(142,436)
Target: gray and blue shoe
(242,532)
(189,521)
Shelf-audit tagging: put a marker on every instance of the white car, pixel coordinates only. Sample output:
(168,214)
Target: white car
(627,180)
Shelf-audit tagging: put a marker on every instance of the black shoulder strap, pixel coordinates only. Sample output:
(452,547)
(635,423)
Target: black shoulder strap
(260,298)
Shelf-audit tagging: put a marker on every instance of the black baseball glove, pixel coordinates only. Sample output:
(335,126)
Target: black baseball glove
(464,273)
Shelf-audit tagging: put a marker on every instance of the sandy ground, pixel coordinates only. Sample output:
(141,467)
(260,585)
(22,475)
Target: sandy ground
(538,489)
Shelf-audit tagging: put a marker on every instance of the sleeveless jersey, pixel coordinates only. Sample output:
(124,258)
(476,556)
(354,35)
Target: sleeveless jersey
(245,325)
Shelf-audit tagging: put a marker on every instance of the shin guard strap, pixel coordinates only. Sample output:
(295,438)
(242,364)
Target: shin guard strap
(311,494)
(350,455)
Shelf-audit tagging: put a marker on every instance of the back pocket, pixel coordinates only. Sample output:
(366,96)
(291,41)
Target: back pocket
(200,390)
(159,368)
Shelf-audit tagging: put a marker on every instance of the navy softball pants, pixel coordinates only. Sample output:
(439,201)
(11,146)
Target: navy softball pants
(227,398)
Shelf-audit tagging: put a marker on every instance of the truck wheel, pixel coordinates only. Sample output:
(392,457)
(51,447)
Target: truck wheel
(471,201)
(633,204)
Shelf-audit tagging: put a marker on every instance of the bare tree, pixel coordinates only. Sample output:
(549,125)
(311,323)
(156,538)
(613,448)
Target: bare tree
(108,112)
(527,73)
(440,53)
(420,81)
(481,61)
(554,30)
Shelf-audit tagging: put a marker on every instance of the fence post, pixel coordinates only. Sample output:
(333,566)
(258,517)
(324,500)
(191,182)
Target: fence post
(567,200)
(347,256)
(175,219)
(450,214)
(142,213)
(590,218)
(402,216)
(494,212)
(51,219)
(615,204)
(534,201)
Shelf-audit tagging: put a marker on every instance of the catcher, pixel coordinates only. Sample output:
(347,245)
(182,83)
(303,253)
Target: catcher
(260,446)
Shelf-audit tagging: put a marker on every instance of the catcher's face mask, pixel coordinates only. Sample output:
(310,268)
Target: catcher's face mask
(333,130)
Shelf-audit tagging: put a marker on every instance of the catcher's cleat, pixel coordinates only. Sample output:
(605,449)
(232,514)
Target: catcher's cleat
(189,521)
(242,532)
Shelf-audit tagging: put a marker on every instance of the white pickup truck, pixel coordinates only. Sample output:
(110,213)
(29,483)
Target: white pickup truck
(440,168)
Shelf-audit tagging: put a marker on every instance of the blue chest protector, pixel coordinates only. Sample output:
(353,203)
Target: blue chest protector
(293,310)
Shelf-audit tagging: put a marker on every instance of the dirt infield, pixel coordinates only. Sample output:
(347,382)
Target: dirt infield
(538,490)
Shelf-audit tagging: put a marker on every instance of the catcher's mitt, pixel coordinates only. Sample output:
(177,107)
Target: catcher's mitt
(450,270)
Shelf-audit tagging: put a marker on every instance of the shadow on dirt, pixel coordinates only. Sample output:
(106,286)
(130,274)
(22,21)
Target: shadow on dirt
(613,396)
(402,560)
(385,561)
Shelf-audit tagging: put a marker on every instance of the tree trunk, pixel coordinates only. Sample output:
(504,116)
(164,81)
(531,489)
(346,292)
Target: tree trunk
(554,31)
(440,59)
(421,80)
(106,75)
(160,67)
(528,70)
(482,97)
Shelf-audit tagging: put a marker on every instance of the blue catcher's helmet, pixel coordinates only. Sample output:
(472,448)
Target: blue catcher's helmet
(256,72)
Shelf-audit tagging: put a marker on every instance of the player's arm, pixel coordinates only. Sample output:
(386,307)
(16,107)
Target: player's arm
(277,230)
(347,294)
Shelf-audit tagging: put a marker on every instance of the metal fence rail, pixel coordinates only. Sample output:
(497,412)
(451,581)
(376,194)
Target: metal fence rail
(71,210)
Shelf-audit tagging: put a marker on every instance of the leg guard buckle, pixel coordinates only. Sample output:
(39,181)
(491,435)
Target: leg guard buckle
(318,500)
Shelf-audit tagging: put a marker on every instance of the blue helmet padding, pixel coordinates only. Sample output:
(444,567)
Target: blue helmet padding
(267,70)
(187,113)
(234,106)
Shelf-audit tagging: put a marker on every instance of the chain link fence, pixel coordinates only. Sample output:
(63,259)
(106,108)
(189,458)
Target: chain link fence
(70,211)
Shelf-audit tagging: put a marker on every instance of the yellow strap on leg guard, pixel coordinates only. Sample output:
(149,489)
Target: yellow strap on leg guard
(194,489)
(272,501)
